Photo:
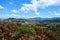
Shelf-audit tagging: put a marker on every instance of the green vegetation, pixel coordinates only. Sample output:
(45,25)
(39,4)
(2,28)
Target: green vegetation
(19,27)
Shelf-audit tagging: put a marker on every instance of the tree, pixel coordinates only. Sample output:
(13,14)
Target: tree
(25,30)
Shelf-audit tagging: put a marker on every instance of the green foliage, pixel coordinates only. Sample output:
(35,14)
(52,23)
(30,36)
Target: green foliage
(24,30)
(21,26)
(27,30)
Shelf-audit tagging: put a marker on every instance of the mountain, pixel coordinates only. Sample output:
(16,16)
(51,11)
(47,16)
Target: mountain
(15,19)
(1,19)
(38,19)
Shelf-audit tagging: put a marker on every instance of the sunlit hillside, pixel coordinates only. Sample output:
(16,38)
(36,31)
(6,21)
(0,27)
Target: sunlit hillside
(23,29)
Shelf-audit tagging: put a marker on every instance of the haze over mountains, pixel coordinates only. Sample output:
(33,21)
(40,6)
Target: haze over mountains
(37,19)
(46,19)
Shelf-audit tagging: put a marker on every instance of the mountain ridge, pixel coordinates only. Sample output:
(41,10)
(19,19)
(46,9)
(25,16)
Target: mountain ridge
(37,19)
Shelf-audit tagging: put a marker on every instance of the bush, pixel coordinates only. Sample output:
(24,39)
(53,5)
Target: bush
(27,30)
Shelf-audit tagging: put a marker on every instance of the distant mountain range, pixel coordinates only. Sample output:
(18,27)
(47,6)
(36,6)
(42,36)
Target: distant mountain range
(45,19)
(37,19)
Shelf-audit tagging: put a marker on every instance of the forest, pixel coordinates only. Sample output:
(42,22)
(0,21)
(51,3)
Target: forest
(21,29)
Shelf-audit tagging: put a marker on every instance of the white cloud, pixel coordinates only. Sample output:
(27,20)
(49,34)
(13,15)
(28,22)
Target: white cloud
(35,4)
(22,8)
(14,11)
(45,3)
(29,7)
(37,13)
(54,13)
(1,7)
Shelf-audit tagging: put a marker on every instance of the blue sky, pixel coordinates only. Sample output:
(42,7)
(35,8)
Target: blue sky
(29,8)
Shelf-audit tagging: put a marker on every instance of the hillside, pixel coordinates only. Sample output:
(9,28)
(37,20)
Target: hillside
(26,29)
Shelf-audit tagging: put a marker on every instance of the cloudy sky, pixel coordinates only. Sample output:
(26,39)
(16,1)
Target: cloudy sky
(29,8)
